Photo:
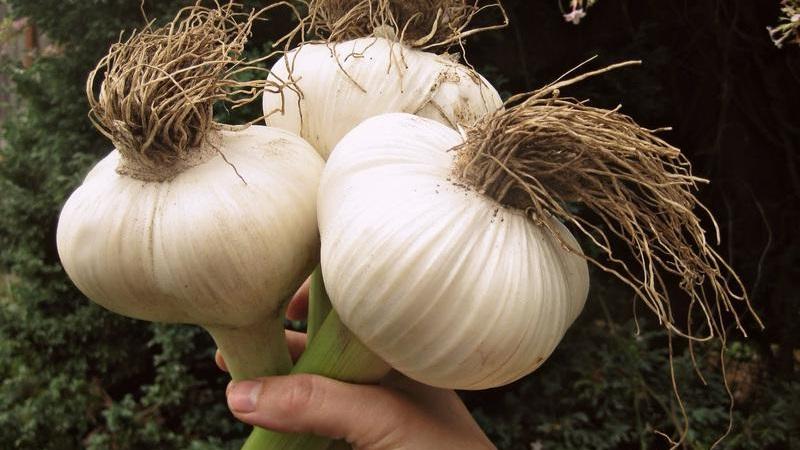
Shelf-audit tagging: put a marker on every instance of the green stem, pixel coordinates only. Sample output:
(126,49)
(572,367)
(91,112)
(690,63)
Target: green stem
(255,351)
(319,305)
(335,353)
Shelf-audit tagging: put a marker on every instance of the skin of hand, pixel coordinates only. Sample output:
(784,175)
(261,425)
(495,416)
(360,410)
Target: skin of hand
(398,414)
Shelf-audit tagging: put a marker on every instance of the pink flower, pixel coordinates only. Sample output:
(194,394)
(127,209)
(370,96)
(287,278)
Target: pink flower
(575,16)
(795,18)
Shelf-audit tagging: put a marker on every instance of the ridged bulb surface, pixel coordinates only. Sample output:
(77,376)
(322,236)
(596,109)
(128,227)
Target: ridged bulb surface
(443,283)
(367,77)
(221,244)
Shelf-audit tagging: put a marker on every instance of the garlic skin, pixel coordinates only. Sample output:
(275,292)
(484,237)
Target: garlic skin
(205,247)
(376,76)
(443,283)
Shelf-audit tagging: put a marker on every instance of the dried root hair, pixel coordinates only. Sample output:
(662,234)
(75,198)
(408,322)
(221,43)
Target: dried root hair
(156,100)
(423,24)
(543,152)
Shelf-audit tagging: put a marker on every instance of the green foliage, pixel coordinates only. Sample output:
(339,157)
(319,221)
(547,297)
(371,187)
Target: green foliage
(75,376)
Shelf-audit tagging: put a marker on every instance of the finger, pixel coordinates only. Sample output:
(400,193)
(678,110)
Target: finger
(220,361)
(313,404)
(296,342)
(298,305)
(443,403)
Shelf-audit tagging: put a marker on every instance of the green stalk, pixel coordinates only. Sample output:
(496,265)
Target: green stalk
(319,305)
(334,353)
(256,351)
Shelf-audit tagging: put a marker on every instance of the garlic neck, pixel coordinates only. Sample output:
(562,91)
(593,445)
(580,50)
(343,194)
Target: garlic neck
(489,176)
(137,164)
(508,175)
(256,351)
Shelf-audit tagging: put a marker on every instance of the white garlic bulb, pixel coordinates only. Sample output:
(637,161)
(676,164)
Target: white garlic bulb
(443,283)
(221,244)
(344,83)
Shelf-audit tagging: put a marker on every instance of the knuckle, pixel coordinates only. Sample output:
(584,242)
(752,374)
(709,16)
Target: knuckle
(300,395)
(388,424)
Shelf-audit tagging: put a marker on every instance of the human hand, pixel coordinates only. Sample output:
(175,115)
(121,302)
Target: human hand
(397,414)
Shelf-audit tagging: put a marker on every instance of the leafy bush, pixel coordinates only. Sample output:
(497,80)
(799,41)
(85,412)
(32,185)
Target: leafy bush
(74,375)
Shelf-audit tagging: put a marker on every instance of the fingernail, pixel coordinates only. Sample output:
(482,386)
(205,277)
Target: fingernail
(243,396)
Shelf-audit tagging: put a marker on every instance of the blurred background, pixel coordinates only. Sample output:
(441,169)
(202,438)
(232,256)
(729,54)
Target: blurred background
(73,376)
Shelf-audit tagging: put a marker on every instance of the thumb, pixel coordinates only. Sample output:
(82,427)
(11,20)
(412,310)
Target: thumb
(362,415)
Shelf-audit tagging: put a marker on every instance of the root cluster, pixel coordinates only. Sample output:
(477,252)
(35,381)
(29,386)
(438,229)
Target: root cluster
(156,100)
(544,152)
(417,23)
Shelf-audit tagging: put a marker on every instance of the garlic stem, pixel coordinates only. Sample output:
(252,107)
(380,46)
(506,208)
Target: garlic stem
(335,353)
(256,351)
(319,305)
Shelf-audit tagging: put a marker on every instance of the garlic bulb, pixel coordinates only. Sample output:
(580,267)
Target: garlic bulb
(445,284)
(221,244)
(188,220)
(341,84)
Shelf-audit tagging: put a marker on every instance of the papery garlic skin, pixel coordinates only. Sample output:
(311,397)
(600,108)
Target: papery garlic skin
(222,244)
(443,283)
(372,76)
